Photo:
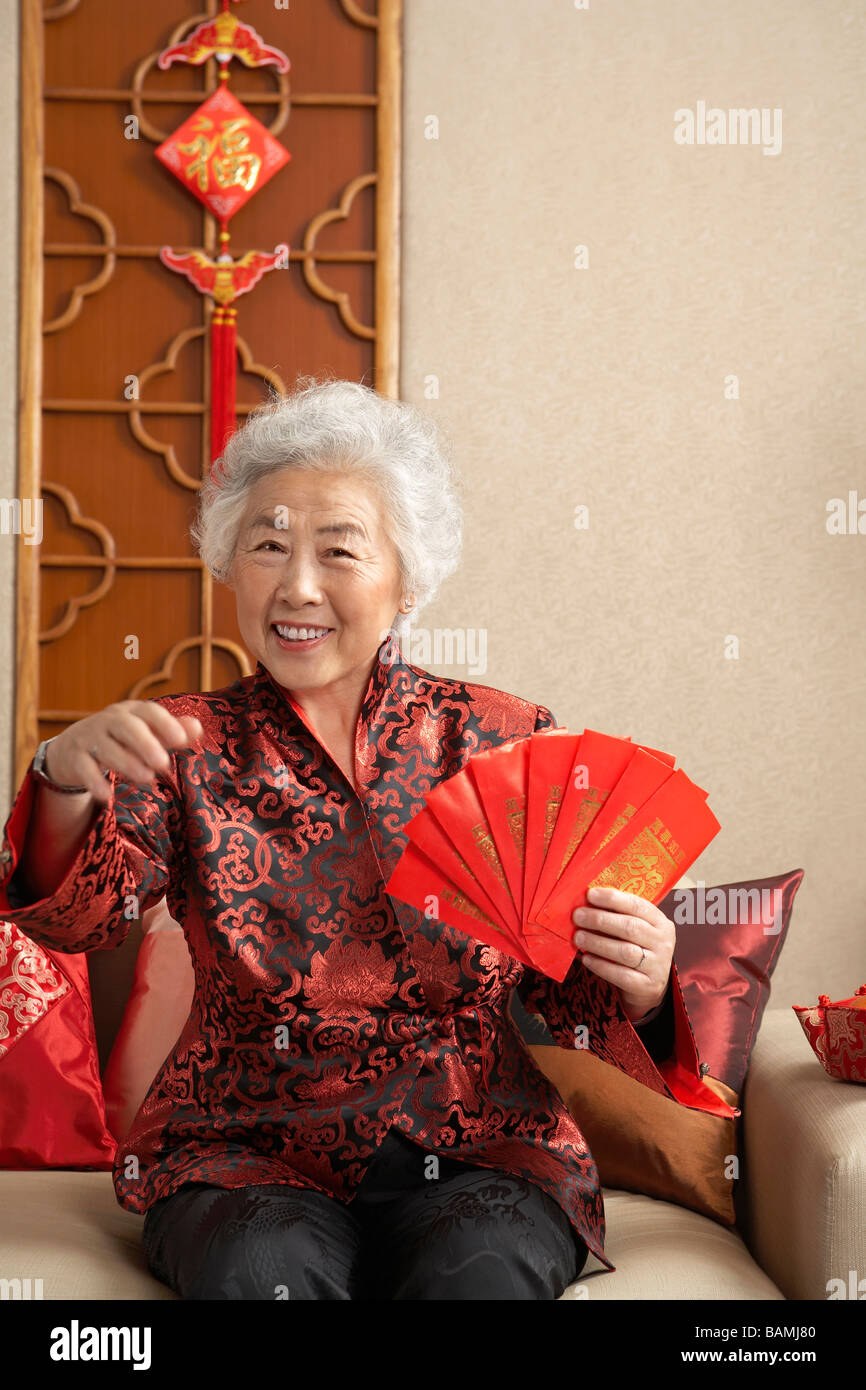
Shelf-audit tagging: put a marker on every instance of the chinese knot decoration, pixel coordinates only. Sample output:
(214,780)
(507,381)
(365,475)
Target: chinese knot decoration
(223,155)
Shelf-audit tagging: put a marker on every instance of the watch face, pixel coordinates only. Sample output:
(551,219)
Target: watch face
(39,761)
(39,768)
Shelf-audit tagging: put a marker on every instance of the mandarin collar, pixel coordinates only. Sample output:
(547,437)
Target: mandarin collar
(388,665)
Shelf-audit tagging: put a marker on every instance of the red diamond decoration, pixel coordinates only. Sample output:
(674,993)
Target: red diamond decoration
(222,154)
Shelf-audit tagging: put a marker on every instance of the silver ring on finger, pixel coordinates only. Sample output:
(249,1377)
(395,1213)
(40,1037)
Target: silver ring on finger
(642,958)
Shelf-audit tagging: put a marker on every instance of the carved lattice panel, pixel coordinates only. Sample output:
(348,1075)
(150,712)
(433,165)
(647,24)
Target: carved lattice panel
(115,348)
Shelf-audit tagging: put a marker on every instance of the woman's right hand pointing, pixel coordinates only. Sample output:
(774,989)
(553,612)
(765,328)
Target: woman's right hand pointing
(131,737)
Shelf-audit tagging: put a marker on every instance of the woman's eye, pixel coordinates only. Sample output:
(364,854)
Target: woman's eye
(273,545)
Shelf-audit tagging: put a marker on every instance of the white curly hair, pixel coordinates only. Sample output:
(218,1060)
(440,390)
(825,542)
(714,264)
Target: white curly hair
(327,424)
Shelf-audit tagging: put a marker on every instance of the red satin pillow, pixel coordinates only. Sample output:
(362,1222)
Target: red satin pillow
(155,1014)
(51,1106)
(728,941)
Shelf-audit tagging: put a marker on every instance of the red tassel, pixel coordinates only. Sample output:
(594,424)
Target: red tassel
(222,389)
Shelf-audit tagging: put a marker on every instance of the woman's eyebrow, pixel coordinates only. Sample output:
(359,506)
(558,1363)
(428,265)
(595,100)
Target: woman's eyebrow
(267,521)
(343,528)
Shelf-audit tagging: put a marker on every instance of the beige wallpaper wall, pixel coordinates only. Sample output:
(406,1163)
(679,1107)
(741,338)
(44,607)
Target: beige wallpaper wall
(669,335)
(705,609)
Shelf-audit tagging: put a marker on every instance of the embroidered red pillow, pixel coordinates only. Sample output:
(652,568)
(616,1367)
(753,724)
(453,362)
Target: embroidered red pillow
(51,1106)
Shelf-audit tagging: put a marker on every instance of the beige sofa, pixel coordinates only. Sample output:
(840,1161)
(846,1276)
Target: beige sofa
(803,1164)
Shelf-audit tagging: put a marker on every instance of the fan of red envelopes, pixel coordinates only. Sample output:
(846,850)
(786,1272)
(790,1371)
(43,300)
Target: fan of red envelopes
(506,849)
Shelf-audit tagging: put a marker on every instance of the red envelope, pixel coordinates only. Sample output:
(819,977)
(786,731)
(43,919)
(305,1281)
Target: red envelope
(427,835)
(640,778)
(647,856)
(599,762)
(420,882)
(501,784)
(551,755)
(455,804)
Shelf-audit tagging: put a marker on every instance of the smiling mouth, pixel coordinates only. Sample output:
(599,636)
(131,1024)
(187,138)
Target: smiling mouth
(298,635)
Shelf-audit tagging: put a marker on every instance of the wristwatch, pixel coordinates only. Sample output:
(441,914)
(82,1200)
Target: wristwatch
(39,770)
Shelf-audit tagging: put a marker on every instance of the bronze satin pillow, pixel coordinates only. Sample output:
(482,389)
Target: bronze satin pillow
(645,1142)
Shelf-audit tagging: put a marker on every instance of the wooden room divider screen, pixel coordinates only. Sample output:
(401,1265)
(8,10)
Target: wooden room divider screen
(114,350)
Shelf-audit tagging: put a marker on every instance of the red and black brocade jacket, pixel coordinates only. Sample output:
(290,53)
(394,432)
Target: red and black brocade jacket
(326,1011)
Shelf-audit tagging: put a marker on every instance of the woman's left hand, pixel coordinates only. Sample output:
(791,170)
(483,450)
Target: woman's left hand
(613,929)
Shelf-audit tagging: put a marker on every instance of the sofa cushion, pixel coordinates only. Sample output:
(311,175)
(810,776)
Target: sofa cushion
(68,1230)
(664,1251)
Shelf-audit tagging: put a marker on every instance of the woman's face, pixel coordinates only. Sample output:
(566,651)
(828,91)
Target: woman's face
(312,553)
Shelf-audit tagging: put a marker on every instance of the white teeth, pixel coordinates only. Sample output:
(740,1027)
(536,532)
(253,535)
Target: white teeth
(294,634)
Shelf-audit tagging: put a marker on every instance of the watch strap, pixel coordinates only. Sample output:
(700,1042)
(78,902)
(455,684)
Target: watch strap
(38,766)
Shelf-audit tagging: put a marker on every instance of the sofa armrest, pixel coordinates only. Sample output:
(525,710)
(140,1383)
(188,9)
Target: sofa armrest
(803,1161)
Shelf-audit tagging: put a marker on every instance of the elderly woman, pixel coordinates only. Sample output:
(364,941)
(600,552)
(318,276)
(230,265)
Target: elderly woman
(349,1111)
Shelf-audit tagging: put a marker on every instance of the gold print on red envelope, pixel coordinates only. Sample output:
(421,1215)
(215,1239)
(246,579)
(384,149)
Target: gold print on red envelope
(644,865)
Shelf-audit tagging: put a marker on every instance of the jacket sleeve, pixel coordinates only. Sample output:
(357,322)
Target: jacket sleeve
(135,846)
(656,1031)
(583,1010)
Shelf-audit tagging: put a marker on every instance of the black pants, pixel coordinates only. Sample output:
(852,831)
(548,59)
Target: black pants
(468,1233)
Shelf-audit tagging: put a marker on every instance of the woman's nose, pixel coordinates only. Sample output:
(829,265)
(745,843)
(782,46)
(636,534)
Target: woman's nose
(298,582)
